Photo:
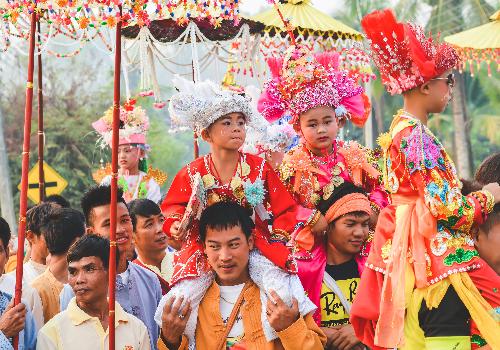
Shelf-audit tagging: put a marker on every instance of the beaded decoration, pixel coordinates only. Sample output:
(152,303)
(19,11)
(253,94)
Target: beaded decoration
(134,124)
(302,81)
(420,162)
(405,57)
(198,105)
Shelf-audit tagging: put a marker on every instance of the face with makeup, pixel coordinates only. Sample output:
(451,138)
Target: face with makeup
(128,158)
(319,127)
(227,132)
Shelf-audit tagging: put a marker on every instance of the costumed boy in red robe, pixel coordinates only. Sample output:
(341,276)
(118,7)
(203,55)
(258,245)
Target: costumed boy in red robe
(226,174)
(424,279)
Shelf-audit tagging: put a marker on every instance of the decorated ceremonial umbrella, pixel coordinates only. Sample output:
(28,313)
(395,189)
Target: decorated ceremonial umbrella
(317,31)
(162,42)
(479,44)
(74,20)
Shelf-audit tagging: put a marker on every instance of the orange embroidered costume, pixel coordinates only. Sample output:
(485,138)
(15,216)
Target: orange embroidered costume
(422,244)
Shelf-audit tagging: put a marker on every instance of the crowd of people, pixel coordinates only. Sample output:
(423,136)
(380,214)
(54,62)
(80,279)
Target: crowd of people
(331,247)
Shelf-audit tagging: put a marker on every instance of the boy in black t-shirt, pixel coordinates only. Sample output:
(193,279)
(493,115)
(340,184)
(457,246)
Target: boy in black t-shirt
(348,212)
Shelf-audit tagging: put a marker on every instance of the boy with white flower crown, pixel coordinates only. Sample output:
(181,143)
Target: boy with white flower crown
(226,174)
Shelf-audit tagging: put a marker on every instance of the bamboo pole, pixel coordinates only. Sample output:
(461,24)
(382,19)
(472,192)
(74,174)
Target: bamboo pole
(25,167)
(114,185)
(41,138)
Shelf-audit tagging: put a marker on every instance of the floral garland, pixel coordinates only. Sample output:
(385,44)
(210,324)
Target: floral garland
(128,194)
(81,14)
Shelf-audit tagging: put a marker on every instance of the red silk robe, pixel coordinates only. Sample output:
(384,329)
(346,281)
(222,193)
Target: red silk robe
(190,261)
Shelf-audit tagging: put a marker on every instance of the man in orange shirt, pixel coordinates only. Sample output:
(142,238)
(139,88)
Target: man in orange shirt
(229,314)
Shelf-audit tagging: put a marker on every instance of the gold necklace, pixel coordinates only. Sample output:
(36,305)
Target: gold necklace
(227,301)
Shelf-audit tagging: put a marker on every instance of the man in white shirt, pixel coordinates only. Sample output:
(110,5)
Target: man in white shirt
(138,290)
(85,323)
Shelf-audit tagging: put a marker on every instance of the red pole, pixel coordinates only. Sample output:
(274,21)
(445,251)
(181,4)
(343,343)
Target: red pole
(196,147)
(41,175)
(25,168)
(114,184)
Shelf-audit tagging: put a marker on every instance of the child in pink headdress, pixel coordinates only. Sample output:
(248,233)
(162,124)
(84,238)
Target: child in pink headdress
(320,99)
(136,178)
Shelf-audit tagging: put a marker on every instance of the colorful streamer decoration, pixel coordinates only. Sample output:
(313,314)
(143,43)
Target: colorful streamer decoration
(83,14)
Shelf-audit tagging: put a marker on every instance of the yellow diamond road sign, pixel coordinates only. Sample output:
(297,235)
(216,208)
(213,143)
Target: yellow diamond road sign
(54,183)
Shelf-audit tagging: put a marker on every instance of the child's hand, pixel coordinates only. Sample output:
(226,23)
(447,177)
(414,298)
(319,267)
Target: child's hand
(320,226)
(174,230)
(494,189)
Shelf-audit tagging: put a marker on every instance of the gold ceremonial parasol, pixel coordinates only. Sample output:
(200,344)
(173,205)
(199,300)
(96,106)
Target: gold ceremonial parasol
(307,20)
(479,44)
(315,30)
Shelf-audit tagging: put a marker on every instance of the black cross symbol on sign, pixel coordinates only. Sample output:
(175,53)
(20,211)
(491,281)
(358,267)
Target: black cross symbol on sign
(47,184)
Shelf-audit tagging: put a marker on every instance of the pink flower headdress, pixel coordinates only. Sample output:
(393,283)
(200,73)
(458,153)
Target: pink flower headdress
(134,124)
(303,80)
(405,57)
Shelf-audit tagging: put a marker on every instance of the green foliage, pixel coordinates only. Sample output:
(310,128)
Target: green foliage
(71,103)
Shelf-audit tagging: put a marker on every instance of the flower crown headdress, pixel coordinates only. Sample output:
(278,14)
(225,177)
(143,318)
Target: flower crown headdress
(405,57)
(134,125)
(302,81)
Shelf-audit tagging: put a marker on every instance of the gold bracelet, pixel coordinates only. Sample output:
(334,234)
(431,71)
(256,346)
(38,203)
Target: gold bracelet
(375,208)
(311,222)
(490,201)
(280,235)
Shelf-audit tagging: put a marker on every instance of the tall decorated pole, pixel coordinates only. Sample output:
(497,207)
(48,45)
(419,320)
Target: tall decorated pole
(114,183)
(196,147)
(41,135)
(25,167)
